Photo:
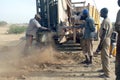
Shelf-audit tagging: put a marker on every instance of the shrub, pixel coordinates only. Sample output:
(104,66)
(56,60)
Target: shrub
(15,29)
(3,23)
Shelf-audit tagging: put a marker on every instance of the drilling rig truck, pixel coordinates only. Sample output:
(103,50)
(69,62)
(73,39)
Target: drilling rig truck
(57,15)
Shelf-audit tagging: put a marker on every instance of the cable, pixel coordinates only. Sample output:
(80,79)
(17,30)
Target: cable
(95,4)
(69,4)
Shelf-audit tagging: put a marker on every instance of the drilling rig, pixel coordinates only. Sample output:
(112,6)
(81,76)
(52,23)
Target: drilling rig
(57,15)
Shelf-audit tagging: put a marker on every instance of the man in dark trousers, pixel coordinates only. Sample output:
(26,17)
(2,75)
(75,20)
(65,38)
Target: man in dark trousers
(117,28)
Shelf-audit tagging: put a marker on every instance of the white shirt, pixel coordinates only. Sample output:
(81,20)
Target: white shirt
(33,27)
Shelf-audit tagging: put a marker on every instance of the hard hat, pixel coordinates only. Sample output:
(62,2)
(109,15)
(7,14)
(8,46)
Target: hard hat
(85,12)
(37,16)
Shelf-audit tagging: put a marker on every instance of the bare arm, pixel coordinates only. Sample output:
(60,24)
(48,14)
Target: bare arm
(39,26)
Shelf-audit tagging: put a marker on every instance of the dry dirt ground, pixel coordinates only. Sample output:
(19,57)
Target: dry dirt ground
(44,63)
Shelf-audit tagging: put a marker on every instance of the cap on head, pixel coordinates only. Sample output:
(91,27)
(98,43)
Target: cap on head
(85,12)
(104,10)
(37,16)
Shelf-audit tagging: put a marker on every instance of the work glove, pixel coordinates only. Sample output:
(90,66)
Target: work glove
(48,30)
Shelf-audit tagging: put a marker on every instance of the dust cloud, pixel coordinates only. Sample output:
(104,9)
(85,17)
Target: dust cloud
(14,63)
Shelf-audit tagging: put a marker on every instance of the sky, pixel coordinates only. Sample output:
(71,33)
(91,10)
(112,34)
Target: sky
(20,11)
(17,11)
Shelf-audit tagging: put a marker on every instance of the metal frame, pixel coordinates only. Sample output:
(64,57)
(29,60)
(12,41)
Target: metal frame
(49,13)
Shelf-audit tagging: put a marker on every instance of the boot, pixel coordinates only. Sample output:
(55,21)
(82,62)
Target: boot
(86,60)
(90,62)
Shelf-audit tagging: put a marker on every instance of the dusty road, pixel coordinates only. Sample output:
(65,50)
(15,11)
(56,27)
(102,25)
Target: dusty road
(44,64)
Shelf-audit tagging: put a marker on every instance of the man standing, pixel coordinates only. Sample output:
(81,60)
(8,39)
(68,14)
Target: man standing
(105,34)
(117,28)
(31,31)
(88,37)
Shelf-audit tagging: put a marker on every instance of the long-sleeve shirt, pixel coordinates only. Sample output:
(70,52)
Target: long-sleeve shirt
(89,28)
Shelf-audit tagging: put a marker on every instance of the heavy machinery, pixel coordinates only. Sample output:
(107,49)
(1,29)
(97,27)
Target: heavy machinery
(57,15)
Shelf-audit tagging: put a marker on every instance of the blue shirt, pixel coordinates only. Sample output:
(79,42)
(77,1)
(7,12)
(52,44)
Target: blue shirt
(89,28)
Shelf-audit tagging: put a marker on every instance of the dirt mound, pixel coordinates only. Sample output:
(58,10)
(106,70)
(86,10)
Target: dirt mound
(18,63)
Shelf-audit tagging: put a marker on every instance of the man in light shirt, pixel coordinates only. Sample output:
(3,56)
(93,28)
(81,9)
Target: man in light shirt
(33,26)
(105,34)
